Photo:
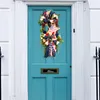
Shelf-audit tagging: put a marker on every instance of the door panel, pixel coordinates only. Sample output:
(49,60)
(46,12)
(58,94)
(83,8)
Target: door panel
(38,88)
(49,86)
(60,88)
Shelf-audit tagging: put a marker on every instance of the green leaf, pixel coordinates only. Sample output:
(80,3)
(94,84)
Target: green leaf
(41,30)
(58,14)
(39,22)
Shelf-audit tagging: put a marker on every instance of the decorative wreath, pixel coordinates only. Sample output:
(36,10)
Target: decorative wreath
(50,37)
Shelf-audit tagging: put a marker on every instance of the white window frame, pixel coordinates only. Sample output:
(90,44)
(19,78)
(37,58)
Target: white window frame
(79,62)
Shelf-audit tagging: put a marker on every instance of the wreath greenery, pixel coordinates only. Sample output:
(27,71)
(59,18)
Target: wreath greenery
(50,37)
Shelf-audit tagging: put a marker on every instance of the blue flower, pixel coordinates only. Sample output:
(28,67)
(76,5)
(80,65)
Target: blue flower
(45,37)
(57,34)
(55,41)
(51,13)
(45,20)
(44,32)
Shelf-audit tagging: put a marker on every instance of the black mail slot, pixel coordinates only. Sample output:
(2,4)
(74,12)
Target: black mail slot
(49,70)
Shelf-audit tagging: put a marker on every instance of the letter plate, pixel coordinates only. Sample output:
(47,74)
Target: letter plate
(49,70)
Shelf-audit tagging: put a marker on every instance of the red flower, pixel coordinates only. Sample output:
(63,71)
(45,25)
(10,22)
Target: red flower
(44,13)
(52,43)
(52,33)
(54,37)
(47,34)
(43,25)
(56,22)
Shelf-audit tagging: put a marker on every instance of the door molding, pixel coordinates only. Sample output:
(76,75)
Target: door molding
(80,40)
(49,0)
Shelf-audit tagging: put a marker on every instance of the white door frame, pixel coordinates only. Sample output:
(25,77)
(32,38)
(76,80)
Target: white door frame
(79,62)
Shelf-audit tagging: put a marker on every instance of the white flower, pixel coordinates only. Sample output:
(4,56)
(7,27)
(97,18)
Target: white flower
(54,15)
(57,42)
(60,36)
(51,21)
(42,17)
(43,40)
(58,28)
(44,35)
(47,13)
(46,43)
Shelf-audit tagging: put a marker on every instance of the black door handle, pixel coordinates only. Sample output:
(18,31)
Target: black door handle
(99,74)
(1,56)
(97,57)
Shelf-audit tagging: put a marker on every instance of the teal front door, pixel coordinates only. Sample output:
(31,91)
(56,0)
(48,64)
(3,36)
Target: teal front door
(49,78)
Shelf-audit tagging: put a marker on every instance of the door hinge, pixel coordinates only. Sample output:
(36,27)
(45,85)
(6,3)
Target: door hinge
(74,30)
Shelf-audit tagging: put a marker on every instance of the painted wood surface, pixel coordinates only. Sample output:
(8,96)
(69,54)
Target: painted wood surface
(49,86)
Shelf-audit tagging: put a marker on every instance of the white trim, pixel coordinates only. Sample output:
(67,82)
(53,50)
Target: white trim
(87,57)
(78,38)
(11,53)
(54,0)
(21,51)
(50,3)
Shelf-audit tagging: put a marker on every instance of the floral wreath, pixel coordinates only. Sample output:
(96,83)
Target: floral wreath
(50,37)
